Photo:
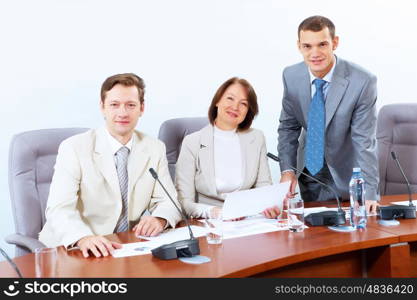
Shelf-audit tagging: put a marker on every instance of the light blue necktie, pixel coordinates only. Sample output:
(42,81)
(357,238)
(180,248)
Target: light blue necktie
(314,155)
(121,168)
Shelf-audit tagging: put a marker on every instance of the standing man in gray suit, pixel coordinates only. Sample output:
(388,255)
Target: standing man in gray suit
(328,118)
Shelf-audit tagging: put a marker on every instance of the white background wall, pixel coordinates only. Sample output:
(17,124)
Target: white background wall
(54,55)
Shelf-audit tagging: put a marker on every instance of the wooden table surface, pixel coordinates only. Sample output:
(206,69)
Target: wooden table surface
(316,252)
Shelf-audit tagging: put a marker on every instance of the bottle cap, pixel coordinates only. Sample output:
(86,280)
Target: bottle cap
(356,170)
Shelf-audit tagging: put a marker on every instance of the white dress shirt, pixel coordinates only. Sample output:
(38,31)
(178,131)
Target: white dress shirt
(115,145)
(327,78)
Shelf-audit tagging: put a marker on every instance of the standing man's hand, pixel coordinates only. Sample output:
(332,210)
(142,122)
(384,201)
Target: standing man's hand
(290,176)
(98,245)
(149,226)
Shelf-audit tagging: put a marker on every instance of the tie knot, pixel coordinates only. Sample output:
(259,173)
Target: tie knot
(319,83)
(123,151)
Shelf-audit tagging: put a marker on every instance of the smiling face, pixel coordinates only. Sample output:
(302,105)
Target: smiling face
(121,109)
(232,107)
(317,49)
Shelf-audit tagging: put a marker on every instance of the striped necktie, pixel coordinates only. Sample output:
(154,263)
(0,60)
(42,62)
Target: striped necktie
(314,156)
(121,167)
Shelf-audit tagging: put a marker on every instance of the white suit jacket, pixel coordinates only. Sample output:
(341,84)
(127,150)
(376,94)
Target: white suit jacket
(85,198)
(194,175)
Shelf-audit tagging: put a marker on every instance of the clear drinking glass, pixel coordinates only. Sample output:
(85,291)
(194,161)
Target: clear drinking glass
(214,225)
(296,214)
(46,262)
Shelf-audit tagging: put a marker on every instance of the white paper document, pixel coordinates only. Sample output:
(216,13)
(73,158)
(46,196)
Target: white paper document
(250,226)
(253,201)
(133,249)
(405,203)
(177,234)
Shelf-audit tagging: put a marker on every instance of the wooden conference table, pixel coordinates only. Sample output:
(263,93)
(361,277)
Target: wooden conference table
(378,251)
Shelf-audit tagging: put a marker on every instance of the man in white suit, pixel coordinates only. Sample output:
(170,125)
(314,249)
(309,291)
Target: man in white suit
(328,118)
(101,182)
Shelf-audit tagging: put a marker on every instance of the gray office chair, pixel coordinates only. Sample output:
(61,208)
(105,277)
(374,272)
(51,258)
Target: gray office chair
(397,131)
(173,131)
(32,157)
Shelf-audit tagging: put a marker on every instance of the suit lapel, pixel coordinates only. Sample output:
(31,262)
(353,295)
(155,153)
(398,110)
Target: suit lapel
(206,158)
(336,91)
(138,160)
(104,160)
(304,91)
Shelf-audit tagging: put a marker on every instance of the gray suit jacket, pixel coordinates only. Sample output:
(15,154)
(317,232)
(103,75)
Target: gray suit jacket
(350,136)
(195,178)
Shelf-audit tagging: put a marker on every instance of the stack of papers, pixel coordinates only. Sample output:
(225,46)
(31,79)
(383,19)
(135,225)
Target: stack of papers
(250,226)
(132,249)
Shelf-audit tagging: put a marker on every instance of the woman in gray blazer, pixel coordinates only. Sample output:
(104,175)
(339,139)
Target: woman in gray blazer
(226,155)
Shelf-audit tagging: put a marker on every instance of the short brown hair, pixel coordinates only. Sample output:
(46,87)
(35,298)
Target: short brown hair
(126,79)
(315,24)
(252,102)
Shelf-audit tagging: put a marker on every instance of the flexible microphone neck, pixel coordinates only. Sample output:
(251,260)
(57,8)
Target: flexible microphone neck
(277,159)
(155,176)
(394,157)
(11,262)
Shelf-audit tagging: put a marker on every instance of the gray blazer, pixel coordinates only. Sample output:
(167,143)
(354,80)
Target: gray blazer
(194,175)
(350,123)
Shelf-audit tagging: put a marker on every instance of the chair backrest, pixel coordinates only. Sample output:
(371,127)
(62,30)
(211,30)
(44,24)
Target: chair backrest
(173,131)
(397,131)
(32,156)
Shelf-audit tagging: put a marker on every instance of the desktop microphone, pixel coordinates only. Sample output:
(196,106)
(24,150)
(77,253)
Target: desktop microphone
(184,248)
(398,211)
(11,262)
(329,217)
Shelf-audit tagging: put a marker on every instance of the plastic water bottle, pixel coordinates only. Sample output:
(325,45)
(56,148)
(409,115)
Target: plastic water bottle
(357,199)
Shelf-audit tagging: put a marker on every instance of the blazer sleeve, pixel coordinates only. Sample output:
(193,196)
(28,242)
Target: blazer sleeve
(160,204)
(185,173)
(63,217)
(288,131)
(364,137)
(264,173)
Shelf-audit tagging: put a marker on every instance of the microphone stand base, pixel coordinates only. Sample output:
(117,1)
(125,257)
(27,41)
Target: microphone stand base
(328,217)
(185,248)
(195,260)
(397,211)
